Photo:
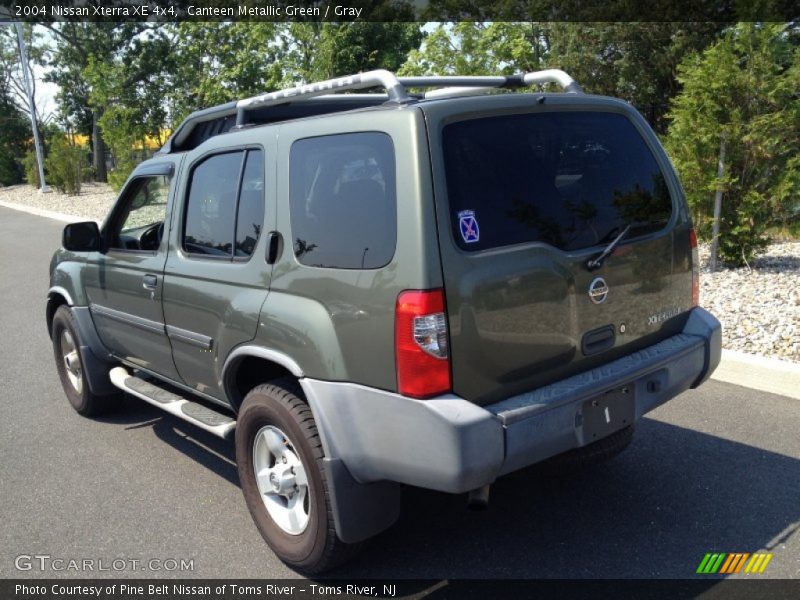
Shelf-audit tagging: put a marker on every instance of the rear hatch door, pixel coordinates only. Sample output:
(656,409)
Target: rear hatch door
(525,197)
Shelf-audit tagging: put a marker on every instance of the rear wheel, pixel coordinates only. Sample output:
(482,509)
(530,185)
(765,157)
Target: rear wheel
(279,457)
(70,366)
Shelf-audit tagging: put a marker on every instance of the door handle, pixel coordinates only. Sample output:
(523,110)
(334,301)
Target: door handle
(273,247)
(150,282)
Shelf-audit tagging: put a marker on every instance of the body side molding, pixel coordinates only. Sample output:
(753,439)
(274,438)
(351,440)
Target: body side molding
(127,318)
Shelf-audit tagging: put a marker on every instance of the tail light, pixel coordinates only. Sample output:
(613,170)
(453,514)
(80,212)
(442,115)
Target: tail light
(695,268)
(421,350)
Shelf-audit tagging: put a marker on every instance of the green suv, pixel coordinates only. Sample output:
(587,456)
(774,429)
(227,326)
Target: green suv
(433,285)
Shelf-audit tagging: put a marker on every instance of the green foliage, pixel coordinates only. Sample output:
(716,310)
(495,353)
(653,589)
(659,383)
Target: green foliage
(742,90)
(31,167)
(125,163)
(317,51)
(65,164)
(637,62)
(212,63)
(14,134)
(633,61)
(80,45)
(468,48)
(14,126)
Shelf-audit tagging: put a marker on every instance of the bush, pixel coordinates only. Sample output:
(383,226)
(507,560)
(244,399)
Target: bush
(740,94)
(125,163)
(9,170)
(65,164)
(31,166)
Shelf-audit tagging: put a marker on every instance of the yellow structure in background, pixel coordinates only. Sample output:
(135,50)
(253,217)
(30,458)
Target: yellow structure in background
(150,143)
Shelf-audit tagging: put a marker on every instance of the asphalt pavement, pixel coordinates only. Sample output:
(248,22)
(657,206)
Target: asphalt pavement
(717,469)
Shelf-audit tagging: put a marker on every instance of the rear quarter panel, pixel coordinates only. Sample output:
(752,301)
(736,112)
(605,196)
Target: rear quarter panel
(338,324)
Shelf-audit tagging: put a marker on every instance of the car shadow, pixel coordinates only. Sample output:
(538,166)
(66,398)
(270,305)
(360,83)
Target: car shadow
(652,512)
(213,453)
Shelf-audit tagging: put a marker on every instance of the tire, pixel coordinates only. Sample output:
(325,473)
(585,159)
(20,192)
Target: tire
(66,350)
(593,454)
(274,415)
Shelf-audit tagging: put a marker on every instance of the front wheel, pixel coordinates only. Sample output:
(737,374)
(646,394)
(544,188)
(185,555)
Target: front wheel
(279,456)
(71,369)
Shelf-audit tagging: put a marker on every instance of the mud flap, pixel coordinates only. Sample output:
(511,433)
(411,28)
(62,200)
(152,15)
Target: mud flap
(360,510)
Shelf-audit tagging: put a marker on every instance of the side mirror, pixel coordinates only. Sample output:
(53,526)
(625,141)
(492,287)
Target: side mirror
(81,237)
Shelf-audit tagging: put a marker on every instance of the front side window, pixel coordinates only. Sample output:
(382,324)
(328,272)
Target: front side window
(343,200)
(140,223)
(570,179)
(251,205)
(225,205)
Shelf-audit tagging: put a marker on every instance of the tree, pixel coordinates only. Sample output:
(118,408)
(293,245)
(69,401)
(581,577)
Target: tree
(13,81)
(634,61)
(14,134)
(741,93)
(637,62)
(468,48)
(76,45)
(213,63)
(318,51)
(15,127)
(130,88)
(219,62)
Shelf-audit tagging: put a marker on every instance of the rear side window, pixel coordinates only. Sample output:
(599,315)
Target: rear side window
(570,179)
(225,204)
(343,200)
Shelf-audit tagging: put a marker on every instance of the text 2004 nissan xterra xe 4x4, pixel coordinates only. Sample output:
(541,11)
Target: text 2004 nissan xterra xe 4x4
(432,286)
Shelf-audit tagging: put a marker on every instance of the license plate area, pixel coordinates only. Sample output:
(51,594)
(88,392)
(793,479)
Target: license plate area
(607,413)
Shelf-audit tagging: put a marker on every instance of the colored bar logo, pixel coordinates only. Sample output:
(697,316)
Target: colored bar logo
(728,563)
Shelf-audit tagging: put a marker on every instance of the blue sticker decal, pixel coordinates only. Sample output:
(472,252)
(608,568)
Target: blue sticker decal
(468,225)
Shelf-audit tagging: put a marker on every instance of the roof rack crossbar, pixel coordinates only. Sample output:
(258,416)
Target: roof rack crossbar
(462,84)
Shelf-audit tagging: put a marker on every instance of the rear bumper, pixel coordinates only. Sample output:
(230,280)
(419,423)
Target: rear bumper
(452,445)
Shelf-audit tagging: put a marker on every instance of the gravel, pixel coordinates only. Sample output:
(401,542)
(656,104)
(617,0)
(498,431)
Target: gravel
(93,203)
(759,305)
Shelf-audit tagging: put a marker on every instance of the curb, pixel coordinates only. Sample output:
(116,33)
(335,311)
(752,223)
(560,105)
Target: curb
(40,212)
(770,375)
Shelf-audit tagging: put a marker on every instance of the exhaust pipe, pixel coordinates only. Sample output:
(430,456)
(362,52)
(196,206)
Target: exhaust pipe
(478,499)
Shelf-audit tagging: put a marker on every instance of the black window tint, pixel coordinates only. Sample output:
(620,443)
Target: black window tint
(570,179)
(211,209)
(250,218)
(343,200)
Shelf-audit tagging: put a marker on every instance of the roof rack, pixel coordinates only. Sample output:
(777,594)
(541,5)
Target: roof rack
(323,93)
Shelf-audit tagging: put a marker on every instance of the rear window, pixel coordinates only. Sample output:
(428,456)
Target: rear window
(569,179)
(343,201)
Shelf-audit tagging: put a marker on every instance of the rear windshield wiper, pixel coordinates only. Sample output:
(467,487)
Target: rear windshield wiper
(595,263)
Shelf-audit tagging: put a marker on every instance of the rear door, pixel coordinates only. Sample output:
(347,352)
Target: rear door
(217,275)
(525,197)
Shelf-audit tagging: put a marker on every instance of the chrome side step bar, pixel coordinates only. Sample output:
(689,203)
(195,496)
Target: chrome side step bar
(195,413)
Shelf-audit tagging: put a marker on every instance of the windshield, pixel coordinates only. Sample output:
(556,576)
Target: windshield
(571,179)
